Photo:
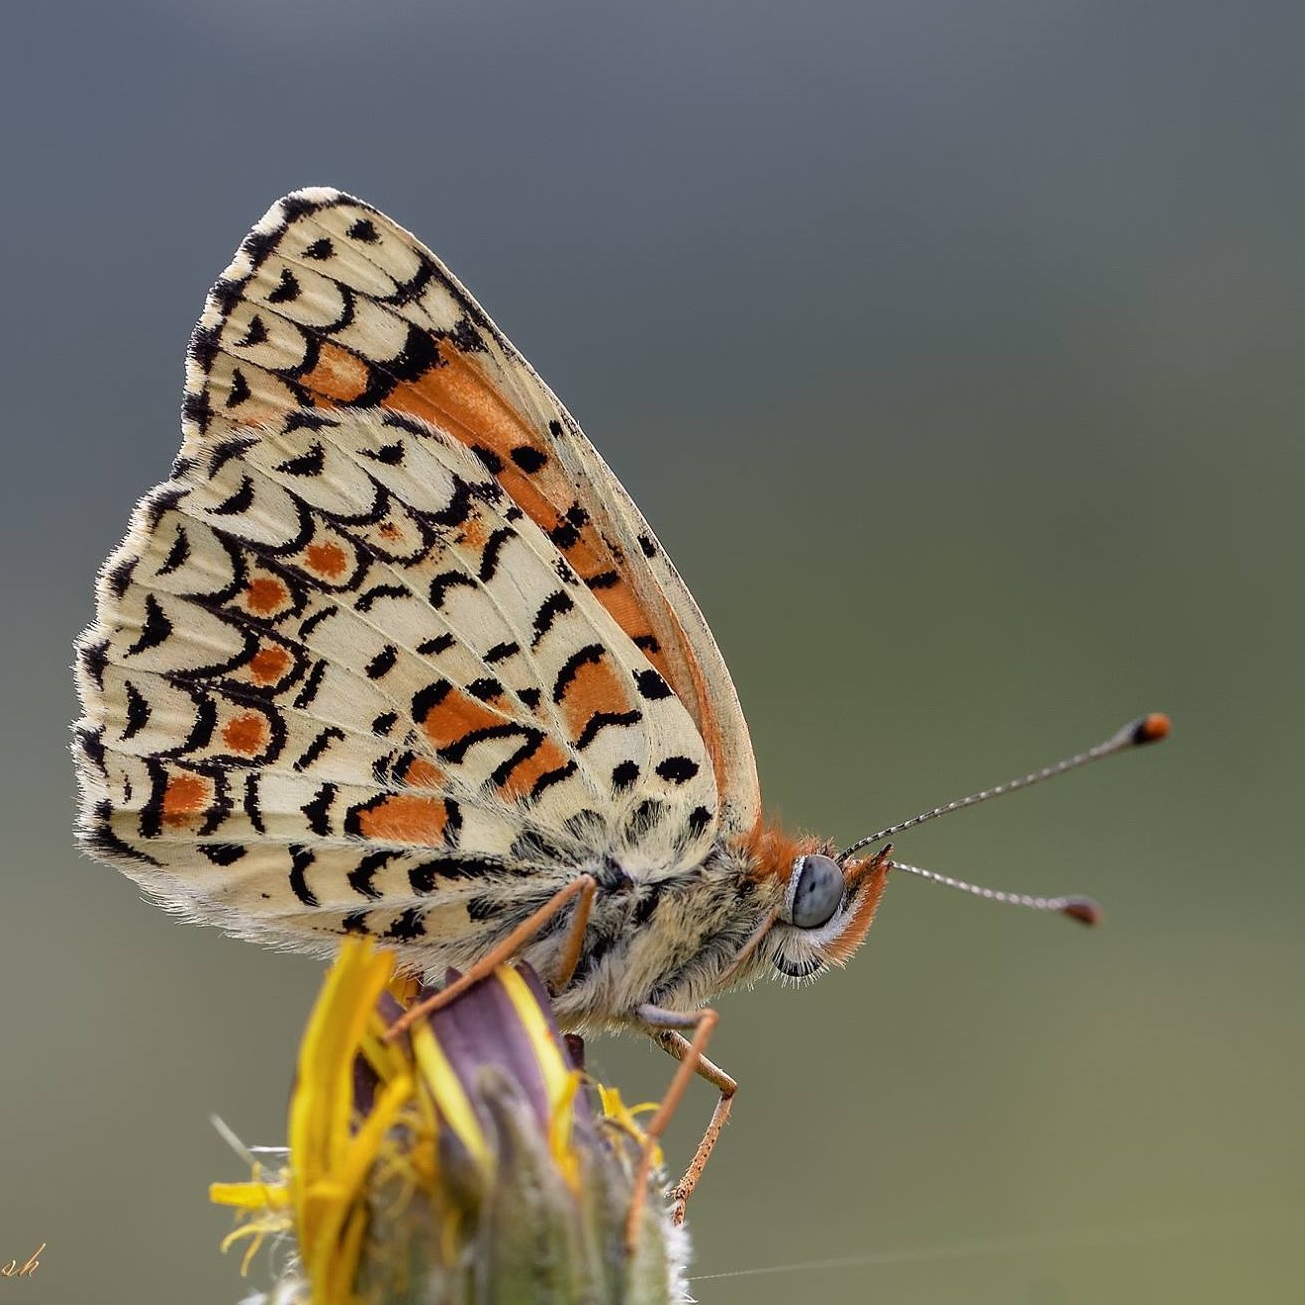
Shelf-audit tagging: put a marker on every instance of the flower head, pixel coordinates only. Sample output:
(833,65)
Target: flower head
(462,1161)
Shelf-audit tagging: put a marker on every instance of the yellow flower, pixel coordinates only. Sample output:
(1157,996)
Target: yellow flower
(461,1162)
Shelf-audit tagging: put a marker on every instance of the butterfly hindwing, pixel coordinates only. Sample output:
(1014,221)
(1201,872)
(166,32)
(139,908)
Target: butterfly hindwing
(340,680)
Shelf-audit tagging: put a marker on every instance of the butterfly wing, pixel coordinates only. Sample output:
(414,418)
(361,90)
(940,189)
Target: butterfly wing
(346,673)
(331,304)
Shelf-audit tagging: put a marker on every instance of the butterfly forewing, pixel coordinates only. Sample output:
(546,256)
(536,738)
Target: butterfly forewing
(329,303)
(392,650)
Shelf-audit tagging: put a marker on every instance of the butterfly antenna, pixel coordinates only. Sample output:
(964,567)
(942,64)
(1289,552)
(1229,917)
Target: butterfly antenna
(1149,729)
(1082,909)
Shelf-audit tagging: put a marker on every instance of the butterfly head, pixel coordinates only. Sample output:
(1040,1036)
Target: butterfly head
(825,909)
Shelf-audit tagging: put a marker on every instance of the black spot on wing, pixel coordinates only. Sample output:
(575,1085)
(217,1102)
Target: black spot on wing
(601,720)
(446,581)
(456,751)
(555,605)
(490,553)
(389,454)
(529,458)
(301,859)
(307,419)
(138,711)
(382,663)
(253,808)
(700,819)
(370,597)
(488,458)
(178,554)
(287,290)
(93,658)
(331,734)
(155,629)
(361,876)
(311,686)
(651,685)
(309,463)
(256,333)
(677,770)
(312,622)
(408,925)
(551,777)
(223,854)
(590,654)
(239,502)
(317,812)
(441,643)
(239,390)
(566,534)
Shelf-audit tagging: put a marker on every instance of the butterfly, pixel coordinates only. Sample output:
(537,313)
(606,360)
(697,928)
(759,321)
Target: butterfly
(392,652)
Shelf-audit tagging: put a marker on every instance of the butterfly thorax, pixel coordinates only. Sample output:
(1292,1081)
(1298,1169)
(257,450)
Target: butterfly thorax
(666,941)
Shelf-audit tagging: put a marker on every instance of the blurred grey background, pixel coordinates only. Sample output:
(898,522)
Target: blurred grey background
(954,349)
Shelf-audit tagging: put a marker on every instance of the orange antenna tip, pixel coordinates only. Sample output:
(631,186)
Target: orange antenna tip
(1084,910)
(1151,728)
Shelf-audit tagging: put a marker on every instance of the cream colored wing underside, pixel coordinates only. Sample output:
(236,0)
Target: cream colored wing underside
(329,303)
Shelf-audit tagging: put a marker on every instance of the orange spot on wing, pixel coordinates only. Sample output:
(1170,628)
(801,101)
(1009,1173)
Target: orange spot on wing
(264,595)
(455,716)
(423,774)
(390,531)
(596,687)
(185,797)
(523,776)
(245,733)
(329,560)
(269,664)
(339,376)
(405,819)
(474,532)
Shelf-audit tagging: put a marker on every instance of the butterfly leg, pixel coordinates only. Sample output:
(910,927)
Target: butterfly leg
(661,1026)
(575,934)
(584,887)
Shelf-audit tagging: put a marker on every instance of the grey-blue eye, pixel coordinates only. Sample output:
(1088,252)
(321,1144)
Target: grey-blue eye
(815,891)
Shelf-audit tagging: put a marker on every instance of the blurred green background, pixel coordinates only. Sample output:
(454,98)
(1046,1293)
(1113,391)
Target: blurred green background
(954,351)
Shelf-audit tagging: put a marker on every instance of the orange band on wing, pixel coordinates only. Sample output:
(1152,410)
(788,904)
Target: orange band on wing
(546,758)
(455,716)
(405,819)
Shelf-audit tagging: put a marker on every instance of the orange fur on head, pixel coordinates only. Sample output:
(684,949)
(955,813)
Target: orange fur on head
(867,880)
(773,852)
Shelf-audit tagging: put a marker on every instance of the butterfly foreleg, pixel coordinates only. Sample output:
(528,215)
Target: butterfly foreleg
(583,887)
(662,1026)
(575,933)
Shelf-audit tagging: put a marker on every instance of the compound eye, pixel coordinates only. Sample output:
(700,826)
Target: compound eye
(815,891)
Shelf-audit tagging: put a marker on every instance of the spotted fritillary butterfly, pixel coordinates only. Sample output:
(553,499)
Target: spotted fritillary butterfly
(393,653)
